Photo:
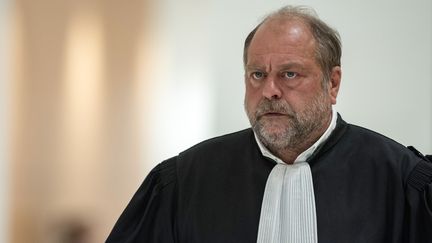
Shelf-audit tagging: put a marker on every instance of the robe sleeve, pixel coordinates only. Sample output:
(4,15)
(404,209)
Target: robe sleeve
(150,215)
(419,199)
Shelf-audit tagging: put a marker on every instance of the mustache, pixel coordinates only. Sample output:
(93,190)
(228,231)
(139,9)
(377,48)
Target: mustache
(274,106)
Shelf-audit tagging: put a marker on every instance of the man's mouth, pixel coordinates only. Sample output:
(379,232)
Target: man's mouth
(271,115)
(274,114)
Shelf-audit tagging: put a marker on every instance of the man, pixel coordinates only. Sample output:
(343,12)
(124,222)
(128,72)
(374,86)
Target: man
(301,174)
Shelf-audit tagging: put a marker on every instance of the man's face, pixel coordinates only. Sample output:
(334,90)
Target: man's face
(285,100)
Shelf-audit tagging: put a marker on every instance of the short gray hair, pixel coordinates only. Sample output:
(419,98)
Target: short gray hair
(329,48)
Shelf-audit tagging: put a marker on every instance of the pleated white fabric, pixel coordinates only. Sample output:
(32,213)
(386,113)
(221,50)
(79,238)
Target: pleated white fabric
(288,213)
(288,209)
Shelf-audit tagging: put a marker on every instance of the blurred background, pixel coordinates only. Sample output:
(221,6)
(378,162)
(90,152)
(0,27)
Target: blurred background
(94,93)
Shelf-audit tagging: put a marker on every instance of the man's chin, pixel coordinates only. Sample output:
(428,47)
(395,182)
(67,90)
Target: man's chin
(274,128)
(274,142)
(273,133)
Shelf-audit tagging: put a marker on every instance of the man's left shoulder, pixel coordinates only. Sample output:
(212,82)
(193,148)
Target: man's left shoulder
(382,149)
(376,142)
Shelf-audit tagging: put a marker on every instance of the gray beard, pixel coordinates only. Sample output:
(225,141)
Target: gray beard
(299,128)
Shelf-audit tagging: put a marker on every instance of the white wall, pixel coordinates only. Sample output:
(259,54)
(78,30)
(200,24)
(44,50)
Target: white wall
(4,176)
(387,79)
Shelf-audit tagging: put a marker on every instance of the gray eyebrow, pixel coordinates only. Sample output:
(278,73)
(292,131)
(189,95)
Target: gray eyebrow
(254,67)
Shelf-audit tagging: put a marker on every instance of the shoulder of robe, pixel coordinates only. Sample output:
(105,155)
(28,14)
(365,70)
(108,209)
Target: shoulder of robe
(380,150)
(157,180)
(147,217)
(377,142)
(421,175)
(163,174)
(373,139)
(224,145)
(356,138)
(419,200)
(218,154)
(415,167)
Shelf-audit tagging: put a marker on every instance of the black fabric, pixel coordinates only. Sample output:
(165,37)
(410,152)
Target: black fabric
(368,189)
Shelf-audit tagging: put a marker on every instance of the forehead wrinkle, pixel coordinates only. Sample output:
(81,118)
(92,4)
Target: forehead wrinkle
(278,62)
(265,65)
(290,65)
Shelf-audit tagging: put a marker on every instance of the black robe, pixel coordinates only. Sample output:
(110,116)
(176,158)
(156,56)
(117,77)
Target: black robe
(368,189)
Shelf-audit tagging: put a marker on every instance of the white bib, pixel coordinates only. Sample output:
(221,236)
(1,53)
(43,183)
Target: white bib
(288,210)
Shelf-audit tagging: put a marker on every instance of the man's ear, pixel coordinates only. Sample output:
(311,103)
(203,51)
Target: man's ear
(334,83)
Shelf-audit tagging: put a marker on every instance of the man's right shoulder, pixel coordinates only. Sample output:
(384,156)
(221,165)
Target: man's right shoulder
(218,154)
(228,143)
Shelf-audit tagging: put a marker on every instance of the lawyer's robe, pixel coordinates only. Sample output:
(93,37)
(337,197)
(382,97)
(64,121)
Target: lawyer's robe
(368,189)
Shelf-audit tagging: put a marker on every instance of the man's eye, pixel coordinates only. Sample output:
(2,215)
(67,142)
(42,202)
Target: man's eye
(289,75)
(257,75)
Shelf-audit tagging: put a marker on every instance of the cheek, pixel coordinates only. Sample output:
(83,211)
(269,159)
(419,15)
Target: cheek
(296,100)
(252,96)
(251,101)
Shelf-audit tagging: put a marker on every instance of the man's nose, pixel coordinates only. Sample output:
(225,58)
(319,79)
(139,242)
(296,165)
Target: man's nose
(271,89)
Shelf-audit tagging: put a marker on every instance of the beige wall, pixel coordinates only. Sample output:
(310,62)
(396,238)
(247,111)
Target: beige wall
(76,112)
